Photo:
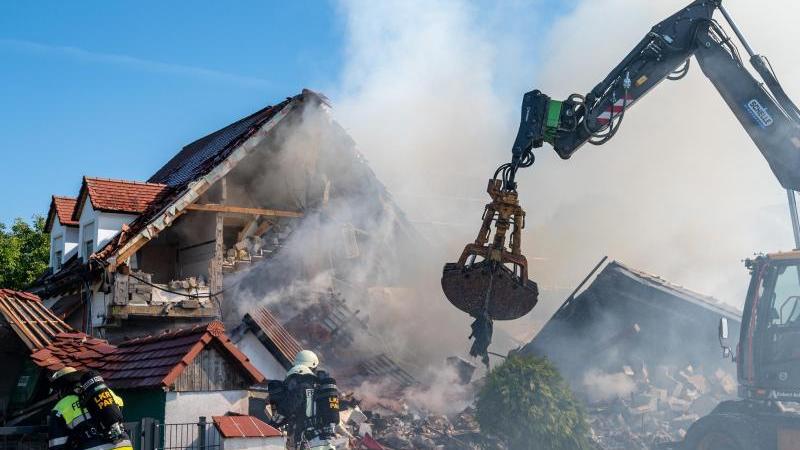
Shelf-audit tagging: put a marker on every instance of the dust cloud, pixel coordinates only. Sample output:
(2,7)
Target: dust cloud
(431,93)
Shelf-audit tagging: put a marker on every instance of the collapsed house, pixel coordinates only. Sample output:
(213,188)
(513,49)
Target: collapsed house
(133,258)
(273,224)
(620,343)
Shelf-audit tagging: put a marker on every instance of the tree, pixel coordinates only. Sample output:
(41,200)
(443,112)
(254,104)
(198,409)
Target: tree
(526,403)
(24,252)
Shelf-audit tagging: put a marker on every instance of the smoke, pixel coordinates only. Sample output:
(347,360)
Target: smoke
(600,386)
(431,91)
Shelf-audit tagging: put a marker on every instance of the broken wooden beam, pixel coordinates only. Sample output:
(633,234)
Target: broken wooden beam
(215,207)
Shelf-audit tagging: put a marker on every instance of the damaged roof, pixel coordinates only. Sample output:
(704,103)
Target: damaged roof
(197,158)
(197,162)
(61,208)
(273,335)
(35,325)
(151,361)
(658,283)
(637,313)
(118,196)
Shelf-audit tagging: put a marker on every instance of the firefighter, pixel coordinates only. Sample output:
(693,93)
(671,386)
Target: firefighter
(87,415)
(306,404)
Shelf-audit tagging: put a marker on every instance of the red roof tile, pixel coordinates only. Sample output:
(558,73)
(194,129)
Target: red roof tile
(131,197)
(152,361)
(276,338)
(244,427)
(35,325)
(61,208)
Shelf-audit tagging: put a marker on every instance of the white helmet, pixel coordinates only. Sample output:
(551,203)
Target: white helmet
(62,373)
(306,358)
(299,370)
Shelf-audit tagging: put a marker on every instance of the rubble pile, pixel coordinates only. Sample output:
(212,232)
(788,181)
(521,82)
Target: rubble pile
(620,343)
(407,430)
(662,405)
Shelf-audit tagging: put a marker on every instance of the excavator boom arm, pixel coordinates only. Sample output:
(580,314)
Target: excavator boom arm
(765,112)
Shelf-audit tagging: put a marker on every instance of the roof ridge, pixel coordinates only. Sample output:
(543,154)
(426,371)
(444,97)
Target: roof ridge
(64,197)
(119,180)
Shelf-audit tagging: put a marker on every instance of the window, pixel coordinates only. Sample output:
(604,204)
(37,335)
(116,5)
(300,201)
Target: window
(58,248)
(88,240)
(786,297)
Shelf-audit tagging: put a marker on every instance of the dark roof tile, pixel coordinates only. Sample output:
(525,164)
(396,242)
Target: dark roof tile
(35,325)
(144,362)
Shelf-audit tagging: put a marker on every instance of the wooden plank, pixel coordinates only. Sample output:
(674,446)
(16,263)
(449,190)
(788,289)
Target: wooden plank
(216,207)
(215,265)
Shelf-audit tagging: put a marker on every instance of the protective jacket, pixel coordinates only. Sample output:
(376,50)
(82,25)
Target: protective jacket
(306,404)
(72,427)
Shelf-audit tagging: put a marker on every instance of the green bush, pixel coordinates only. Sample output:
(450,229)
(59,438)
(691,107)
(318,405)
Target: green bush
(526,403)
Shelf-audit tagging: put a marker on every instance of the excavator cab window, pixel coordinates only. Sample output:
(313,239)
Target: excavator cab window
(785,304)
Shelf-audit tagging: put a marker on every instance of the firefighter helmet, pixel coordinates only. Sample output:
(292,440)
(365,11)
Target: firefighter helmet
(62,373)
(306,358)
(299,370)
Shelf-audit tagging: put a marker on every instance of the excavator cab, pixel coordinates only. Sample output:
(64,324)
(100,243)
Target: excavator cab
(768,354)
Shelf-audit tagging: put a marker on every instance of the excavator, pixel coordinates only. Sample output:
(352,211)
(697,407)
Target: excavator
(490,280)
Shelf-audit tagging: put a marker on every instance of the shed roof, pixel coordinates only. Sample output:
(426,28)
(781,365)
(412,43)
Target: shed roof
(35,325)
(244,427)
(151,361)
(61,208)
(120,196)
(273,335)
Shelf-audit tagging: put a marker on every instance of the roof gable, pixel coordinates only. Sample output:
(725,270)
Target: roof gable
(118,196)
(195,168)
(152,361)
(35,325)
(61,208)
(200,156)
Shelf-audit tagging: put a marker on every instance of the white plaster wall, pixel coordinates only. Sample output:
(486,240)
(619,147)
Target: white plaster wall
(187,407)
(273,443)
(109,225)
(261,357)
(88,215)
(56,233)
(70,241)
(106,226)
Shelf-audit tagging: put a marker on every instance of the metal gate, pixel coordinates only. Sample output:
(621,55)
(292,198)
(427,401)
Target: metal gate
(148,434)
(202,435)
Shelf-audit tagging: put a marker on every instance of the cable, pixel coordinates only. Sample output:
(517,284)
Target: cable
(196,296)
(680,72)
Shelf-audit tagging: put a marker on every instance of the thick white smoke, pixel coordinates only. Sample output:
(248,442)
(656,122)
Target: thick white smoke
(431,93)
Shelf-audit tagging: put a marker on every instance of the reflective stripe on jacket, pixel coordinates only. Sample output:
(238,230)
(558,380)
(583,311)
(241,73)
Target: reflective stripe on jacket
(70,426)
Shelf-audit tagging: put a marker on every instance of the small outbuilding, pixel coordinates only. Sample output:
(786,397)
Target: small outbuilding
(248,433)
(174,377)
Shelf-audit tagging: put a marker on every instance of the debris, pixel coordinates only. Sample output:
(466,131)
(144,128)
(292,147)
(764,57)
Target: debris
(614,343)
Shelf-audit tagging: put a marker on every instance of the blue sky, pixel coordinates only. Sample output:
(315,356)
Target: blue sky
(114,89)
